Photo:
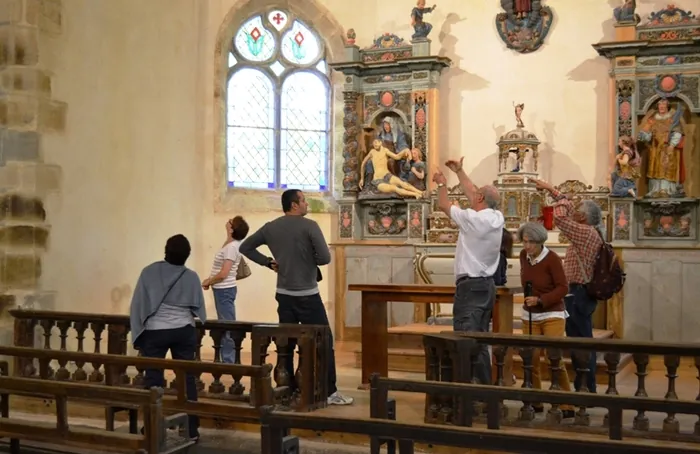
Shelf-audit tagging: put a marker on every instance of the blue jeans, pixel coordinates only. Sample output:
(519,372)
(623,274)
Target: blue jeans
(580,307)
(183,344)
(225,300)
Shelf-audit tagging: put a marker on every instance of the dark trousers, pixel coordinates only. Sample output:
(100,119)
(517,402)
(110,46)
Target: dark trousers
(580,307)
(306,310)
(474,298)
(183,344)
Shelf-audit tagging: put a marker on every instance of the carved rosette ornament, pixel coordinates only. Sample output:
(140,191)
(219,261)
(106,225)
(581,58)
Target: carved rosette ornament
(350,144)
(625,90)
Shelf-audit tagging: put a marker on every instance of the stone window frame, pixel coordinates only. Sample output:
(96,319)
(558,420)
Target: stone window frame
(320,21)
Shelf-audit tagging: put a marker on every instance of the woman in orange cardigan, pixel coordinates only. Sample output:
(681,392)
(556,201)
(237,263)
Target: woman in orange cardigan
(544,270)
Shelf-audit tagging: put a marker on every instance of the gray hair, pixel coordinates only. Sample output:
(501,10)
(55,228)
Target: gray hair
(534,231)
(492,198)
(594,216)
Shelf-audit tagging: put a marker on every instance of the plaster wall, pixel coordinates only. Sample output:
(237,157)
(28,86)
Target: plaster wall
(139,151)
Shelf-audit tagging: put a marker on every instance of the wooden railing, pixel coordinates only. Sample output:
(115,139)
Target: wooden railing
(235,408)
(104,332)
(276,426)
(148,402)
(445,362)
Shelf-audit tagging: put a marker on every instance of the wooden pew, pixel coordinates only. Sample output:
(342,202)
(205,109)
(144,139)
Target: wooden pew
(115,330)
(448,360)
(175,400)
(375,299)
(147,401)
(458,399)
(275,439)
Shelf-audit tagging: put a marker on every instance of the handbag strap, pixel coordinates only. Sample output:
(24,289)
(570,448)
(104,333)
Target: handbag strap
(171,287)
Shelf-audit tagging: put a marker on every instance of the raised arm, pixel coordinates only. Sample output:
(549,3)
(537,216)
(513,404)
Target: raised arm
(249,248)
(322,254)
(564,211)
(468,187)
(443,201)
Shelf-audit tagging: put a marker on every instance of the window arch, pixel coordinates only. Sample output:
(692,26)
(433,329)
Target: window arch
(277,105)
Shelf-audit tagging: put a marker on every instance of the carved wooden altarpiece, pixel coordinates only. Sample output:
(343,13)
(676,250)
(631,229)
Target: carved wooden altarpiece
(390,82)
(653,59)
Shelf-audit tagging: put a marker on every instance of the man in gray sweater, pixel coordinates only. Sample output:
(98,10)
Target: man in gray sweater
(299,248)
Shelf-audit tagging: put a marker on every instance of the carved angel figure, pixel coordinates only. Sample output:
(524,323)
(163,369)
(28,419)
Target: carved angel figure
(518,113)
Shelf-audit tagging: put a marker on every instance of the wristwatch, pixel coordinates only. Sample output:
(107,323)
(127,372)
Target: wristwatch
(441,185)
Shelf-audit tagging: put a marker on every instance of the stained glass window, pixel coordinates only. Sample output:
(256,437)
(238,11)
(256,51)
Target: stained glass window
(278,106)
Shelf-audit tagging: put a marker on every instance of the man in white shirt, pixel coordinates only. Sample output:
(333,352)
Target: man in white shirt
(476,258)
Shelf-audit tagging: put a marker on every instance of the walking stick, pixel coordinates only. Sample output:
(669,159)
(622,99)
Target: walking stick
(528,292)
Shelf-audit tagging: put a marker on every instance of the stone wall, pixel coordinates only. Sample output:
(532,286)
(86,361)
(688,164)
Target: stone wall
(27,114)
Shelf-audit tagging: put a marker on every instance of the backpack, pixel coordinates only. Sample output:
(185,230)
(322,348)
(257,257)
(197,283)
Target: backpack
(608,277)
(500,277)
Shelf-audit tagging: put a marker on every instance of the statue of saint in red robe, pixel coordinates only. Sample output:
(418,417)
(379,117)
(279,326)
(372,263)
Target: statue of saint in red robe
(522,8)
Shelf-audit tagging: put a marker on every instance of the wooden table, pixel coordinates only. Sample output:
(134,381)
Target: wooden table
(375,335)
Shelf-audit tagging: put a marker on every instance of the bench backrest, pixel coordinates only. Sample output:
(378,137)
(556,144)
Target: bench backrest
(275,426)
(147,401)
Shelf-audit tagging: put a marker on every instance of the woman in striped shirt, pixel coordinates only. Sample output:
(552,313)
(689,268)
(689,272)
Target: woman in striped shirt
(223,280)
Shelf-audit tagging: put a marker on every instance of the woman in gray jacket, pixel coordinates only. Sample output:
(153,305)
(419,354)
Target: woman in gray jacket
(167,298)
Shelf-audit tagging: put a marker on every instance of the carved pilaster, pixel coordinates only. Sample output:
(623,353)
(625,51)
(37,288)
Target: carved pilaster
(351,163)
(625,108)
(420,122)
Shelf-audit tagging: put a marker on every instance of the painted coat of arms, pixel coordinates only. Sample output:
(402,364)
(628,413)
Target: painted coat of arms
(524,25)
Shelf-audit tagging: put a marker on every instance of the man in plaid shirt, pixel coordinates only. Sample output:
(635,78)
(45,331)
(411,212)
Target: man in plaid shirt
(584,230)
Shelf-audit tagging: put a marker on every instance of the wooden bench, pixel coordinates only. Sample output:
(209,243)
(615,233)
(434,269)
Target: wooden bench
(149,402)
(175,399)
(114,329)
(275,438)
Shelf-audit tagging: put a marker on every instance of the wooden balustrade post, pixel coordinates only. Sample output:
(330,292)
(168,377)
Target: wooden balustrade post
(527,411)
(216,387)
(671,424)
(24,337)
(582,417)
(261,394)
(499,354)
(116,345)
(237,388)
(612,360)
(63,326)
(80,328)
(641,361)
(554,415)
(280,373)
(201,332)
(45,369)
(305,379)
(96,376)
(446,409)
(432,373)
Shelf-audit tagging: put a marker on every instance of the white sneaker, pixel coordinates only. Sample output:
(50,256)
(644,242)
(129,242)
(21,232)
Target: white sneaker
(338,399)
